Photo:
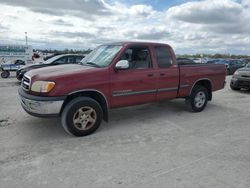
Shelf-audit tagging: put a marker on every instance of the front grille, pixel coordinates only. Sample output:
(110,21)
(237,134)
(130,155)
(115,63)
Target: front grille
(244,83)
(26,83)
(245,76)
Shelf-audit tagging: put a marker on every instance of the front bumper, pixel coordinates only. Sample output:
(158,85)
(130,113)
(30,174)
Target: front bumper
(240,82)
(41,106)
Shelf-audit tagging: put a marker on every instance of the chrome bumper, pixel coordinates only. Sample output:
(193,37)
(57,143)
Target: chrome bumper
(41,108)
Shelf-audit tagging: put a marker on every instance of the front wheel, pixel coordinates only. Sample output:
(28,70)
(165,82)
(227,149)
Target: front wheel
(197,101)
(81,116)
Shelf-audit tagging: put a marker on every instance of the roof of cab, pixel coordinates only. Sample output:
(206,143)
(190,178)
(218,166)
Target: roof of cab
(135,43)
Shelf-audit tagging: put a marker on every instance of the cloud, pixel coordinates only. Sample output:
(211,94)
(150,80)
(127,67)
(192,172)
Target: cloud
(3,28)
(246,2)
(206,26)
(229,29)
(62,7)
(68,34)
(140,10)
(61,22)
(207,12)
(225,17)
(151,34)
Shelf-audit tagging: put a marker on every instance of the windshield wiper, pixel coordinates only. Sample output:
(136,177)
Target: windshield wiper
(94,64)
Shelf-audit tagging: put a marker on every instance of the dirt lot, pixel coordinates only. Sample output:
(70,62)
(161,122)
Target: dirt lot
(157,145)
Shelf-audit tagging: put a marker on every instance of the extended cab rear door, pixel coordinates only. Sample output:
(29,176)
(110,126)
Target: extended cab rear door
(136,85)
(168,73)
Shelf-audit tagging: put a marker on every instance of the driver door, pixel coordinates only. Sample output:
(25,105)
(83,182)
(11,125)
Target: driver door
(136,85)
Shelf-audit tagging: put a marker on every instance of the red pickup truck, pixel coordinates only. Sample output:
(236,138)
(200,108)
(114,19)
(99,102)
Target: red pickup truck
(116,75)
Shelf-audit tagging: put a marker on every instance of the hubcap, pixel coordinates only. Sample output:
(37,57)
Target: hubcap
(200,99)
(84,118)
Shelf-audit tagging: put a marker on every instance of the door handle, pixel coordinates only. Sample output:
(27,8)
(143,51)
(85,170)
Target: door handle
(162,74)
(150,75)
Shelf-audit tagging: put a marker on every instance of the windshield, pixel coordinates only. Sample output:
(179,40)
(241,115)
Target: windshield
(52,59)
(101,56)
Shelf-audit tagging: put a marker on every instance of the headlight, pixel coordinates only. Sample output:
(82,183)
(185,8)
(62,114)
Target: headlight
(42,86)
(236,73)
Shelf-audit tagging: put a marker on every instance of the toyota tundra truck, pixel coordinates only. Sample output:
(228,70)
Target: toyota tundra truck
(116,75)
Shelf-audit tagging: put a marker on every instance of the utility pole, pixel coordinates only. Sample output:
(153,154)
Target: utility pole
(26,39)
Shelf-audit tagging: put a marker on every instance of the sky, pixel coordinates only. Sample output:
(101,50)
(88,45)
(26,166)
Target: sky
(190,27)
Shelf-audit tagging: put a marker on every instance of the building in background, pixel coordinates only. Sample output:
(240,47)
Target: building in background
(12,53)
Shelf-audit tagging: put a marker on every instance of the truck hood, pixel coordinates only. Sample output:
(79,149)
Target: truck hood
(69,78)
(32,66)
(60,70)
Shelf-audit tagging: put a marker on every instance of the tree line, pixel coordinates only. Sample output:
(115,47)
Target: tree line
(65,51)
(73,51)
(215,56)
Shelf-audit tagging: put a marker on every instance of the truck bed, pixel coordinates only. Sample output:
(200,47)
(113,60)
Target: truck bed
(190,74)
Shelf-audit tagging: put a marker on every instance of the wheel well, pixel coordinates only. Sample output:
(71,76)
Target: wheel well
(208,85)
(91,94)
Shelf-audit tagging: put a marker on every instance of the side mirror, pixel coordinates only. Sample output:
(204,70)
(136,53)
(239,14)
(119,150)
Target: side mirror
(122,65)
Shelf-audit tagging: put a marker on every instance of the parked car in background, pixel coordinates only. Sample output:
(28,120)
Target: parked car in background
(231,64)
(212,61)
(184,61)
(56,60)
(199,60)
(241,78)
(246,61)
(6,68)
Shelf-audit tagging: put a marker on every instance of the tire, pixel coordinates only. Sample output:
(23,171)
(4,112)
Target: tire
(87,114)
(19,78)
(197,101)
(5,74)
(228,72)
(234,88)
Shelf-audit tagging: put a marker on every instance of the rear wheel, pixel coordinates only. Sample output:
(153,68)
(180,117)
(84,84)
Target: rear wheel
(82,116)
(5,74)
(197,101)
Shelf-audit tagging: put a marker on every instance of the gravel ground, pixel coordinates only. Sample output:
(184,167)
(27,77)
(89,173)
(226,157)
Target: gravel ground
(156,145)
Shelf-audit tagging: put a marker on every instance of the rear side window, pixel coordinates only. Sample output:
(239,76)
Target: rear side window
(164,57)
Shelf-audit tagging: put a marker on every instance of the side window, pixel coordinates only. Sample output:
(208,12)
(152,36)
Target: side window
(138,57)
(19,62)
(164,57)
(78,59)
(239,62)
(71,60)
(62,60)
(232,63)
